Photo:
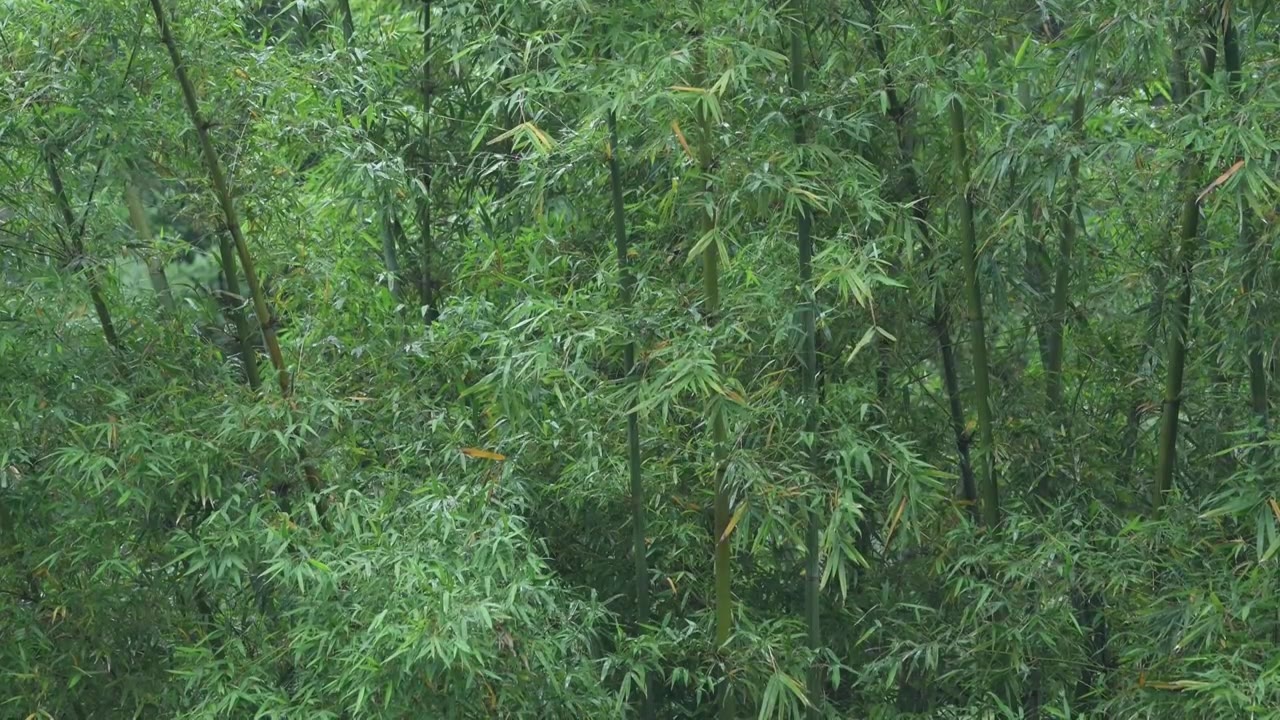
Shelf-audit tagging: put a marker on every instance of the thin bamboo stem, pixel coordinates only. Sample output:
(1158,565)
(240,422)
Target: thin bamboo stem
(80,258)
(639,499)
(232,218)
(990,497)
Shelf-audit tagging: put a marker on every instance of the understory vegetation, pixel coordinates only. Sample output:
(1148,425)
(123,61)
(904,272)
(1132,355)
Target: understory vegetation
(598,359)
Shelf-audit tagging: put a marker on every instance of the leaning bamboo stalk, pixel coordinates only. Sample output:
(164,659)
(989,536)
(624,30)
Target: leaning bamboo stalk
(232,218)
(80,258)
(223,193)
(910,193)
(155,268)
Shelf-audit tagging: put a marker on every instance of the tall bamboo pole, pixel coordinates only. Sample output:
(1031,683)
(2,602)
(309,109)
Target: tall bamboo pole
(426,249)
(910,192)
(808,370)
(990,496)
(1062,277)
(719,433)
(1254,254)
(639,499)
(1184,264)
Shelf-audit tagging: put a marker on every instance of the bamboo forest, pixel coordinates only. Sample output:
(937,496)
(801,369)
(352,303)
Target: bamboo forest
(865,359)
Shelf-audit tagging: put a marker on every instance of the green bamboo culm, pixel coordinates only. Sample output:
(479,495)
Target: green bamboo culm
(808,371)
(989,493)
(223,192)
(79,256)
(639,500)
(909,193)
(426,250)
(1188,248)
(155,267)
(1054,351)
(1253,252)
(348,22)
(719,433)
(391,237)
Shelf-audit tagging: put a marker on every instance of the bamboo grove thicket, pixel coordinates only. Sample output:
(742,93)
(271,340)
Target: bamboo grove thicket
(693,359)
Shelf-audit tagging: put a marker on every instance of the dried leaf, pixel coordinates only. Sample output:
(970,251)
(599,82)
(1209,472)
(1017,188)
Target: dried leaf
(675,127)
(733,521)
(1221,179)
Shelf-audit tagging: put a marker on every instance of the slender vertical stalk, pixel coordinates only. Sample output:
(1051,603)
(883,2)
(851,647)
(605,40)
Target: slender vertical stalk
(390,228)
(719,433)
(348,22)
(223,192)
(1062,279)
(233,302)
(639,550)
(1184,264)
(1253,254)
(391,234)
(809,369)
(1037,263)
(155,268)
(80,258)
(426,286)
(910,193)
(973,292)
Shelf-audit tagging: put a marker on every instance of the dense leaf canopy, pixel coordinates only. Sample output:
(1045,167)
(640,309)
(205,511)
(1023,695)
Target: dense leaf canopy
(680,359)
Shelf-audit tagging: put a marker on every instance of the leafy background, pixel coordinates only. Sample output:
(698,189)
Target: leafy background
(440,516)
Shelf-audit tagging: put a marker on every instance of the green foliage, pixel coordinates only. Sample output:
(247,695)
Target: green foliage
(433,221)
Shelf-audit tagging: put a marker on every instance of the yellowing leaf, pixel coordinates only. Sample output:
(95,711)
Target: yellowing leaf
(893,524)
(675,127)
(733,521)
(483,454)
(1220,180)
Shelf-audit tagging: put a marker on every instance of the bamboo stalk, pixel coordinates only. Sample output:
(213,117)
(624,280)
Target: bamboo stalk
(426,286)
(155,268)
(990,497)
(1254,254)
(80,258)
(1184,265)
(719,433)
(223,192)
(348,22)
(808,373)
(1062,279)
(910,192)
(639,499)
(392,233)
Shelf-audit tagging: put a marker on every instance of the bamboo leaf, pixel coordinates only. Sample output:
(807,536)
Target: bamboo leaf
(483,454)
(733,521)
(1220,180)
